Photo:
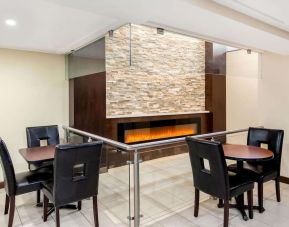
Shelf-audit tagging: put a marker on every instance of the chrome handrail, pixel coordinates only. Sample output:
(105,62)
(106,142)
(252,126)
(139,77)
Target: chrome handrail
(96,137)
(180,139)
(149,144)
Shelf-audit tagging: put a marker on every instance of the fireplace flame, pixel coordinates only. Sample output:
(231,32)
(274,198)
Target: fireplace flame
(148,134)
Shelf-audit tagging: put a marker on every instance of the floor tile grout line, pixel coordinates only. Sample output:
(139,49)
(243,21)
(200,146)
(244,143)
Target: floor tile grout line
(18,216)
(170,211)
(91,224)
(174,213)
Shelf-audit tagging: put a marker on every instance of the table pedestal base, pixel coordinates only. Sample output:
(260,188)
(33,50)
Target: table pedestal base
(240,206)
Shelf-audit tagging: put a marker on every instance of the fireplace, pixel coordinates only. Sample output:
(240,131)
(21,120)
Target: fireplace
(138,132)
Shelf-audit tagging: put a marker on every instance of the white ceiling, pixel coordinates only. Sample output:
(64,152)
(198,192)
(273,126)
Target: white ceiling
(274,12)
(49,27)
(58,26)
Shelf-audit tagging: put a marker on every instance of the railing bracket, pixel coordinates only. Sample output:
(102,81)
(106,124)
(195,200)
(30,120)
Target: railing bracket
(132,218)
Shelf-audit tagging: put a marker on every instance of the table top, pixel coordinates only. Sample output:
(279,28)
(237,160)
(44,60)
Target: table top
(38,154)
(246,153)
(231,151)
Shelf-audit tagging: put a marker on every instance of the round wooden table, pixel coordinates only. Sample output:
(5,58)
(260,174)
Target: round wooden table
(242,153)
(246,153)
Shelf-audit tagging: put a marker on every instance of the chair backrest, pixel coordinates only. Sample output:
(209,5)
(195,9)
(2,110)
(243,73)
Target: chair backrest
(213,180)
(76,172)
(8,169)
(36,134)
(273,138)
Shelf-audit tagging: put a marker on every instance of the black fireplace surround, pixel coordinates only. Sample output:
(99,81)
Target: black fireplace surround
(124,128)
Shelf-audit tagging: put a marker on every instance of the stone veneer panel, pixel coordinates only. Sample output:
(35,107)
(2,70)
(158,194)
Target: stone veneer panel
(167,72)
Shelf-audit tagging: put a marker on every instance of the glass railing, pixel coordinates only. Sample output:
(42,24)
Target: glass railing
(137,187)
(115,182)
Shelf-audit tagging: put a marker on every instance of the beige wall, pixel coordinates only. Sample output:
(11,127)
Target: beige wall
(166,75)
(274,99)
(242,92)
(258,99)
(33,92)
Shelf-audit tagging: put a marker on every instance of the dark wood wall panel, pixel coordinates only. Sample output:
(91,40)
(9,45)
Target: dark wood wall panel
(89,107)
(216,100)
(215,58)
(215,85)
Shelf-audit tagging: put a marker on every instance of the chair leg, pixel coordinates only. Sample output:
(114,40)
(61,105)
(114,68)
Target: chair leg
(11,211)
(260,197)
(6,204)
(38,197)
(220,204)
(250,203)
(277,185)
(95,211)
(45,208)
(57,217)
(197,199)
(226,213)
(79,205)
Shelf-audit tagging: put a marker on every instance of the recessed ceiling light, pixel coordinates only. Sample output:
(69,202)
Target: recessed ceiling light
(10,22)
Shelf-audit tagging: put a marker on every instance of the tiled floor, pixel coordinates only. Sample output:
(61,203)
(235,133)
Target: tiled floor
(166,200)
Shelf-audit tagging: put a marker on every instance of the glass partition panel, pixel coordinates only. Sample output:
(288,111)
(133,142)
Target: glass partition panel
(117,63)
(166,187)
(242,92)
(238,138)
(87,60)
(115,198)
(118,49)
(159,52)
(237,58)
(169,67)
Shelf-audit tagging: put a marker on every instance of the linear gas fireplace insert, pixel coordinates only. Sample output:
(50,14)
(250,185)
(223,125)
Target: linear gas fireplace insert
(138,132)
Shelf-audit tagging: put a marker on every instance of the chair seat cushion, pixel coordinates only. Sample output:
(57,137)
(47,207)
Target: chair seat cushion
(239,184)
(30,181)
(256,172)
(41,165)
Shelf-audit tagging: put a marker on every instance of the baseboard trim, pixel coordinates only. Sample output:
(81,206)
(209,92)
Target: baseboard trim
(1,184)
(284,180)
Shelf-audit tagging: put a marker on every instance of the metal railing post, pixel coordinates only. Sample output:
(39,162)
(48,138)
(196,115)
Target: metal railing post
(67,135)
(136,193)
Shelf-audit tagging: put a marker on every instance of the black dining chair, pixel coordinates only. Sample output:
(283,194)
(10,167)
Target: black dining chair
(75,180)
(34,136)
(262,172)
(214,179)
(17,184)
